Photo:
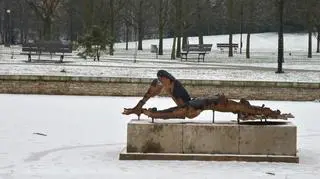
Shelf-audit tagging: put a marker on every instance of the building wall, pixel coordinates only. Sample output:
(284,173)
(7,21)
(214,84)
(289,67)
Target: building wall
(110,86)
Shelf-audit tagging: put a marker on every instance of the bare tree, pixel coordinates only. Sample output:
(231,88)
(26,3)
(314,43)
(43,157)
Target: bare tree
(309,27)
(280,36)
(45,9)
(230,25)
(138,11)
(318,38)
(161,8)
(250,8)
(200,33)
(179,25)
(309,10)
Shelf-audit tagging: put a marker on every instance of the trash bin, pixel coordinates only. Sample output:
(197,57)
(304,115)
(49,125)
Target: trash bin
(154,49)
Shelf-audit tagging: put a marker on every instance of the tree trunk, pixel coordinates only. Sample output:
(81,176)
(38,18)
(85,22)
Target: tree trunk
(161,27)
(310,43)
(111,49)
(184,41)
(230,25)
(230,45)
(179,28)
(200,35)
(160,52)
(248,46)
(280,38)
(309,21)
(178,54)
(88,4)
(241,26)
(173,51)
(251,8)
(47,23)
(318,40)
(140,24)
(201,39)
(140,38)
(127,36)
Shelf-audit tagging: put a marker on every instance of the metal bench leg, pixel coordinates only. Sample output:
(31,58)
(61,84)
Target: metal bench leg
(61,58)
(29,57)
(201,56)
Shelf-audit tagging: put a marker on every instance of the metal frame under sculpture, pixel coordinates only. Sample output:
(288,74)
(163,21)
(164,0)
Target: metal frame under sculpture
(190,108)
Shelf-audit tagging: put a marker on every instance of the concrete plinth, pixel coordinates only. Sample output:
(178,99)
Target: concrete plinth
(218,141)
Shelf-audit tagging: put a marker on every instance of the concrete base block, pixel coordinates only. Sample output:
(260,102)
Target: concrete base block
(210,138)
(219,141)
(268,139)
(148,137)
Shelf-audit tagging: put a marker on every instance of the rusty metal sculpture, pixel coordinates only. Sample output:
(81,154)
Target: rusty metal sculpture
(190,108)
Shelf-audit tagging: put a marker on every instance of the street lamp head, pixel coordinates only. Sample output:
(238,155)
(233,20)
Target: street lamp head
(8,11)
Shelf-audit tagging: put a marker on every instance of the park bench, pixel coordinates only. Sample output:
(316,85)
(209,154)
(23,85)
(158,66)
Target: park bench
(200,49)
(222,46)
(51,47)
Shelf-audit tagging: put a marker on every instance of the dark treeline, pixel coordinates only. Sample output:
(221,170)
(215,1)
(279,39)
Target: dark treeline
(127,20)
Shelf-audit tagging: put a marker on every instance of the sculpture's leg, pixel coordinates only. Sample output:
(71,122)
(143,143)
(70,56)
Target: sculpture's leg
(243,108)
(180,112)
(154,89)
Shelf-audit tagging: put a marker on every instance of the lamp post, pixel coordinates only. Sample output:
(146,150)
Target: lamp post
(8,31)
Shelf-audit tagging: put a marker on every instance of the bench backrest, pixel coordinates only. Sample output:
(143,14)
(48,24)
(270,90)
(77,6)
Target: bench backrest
(198,47)
(48,46)
(29,47)
(219,45)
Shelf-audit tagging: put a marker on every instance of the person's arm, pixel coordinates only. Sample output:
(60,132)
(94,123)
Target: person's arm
(154,89)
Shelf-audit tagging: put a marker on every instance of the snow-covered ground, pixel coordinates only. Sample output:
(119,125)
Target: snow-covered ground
(86,134)
(217,66)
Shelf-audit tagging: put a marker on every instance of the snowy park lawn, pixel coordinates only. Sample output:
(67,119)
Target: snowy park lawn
(84,136)
(217,66)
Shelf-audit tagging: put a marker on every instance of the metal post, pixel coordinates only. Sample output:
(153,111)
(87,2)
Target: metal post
(8,33)
(212,116)
(241,25)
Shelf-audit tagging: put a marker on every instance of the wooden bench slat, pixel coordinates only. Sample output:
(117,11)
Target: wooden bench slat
(221,46)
